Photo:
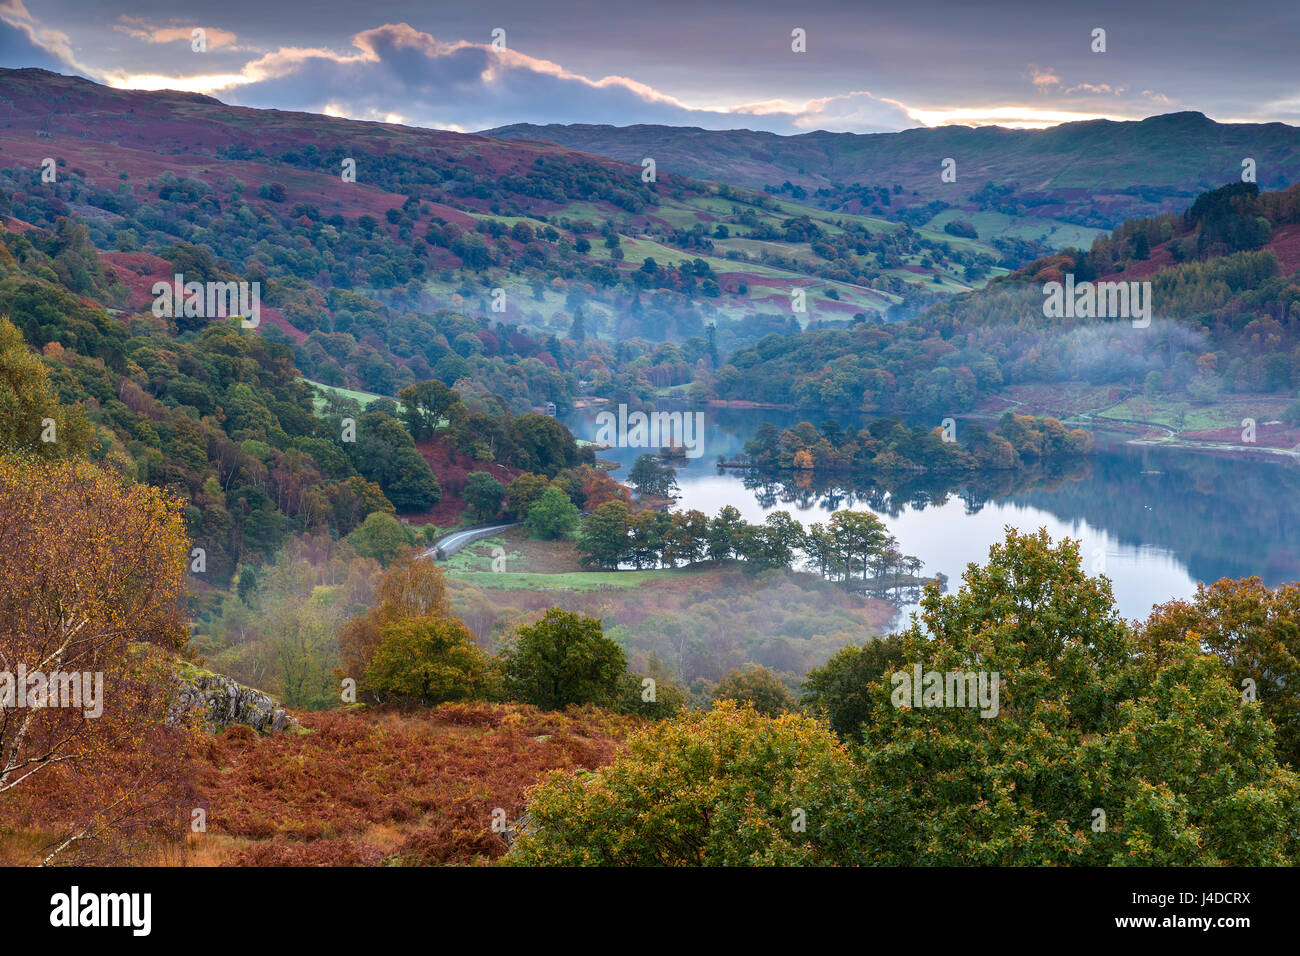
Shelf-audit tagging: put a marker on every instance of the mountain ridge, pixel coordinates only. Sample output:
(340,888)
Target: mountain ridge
(1131,167)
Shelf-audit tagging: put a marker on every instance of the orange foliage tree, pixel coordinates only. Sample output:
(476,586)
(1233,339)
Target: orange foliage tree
(91,572)
(411,588)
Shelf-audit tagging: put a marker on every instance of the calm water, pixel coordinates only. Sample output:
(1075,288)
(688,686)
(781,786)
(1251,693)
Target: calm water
(1155,521)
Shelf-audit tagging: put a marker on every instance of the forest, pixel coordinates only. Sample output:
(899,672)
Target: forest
(188,503)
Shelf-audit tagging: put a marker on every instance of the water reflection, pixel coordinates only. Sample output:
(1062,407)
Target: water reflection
(1154,520)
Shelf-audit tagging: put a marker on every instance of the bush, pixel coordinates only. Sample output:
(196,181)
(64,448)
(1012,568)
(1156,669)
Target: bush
(723,788)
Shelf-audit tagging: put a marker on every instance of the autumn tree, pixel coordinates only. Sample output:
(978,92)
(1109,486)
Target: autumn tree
(31,419)
(430,660)
(1255,631)
(410,588)
(756,687)
(524,492)
(91,575)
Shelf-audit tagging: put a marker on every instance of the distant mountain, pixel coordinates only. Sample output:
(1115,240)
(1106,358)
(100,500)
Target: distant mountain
(1095,173)
(424,219)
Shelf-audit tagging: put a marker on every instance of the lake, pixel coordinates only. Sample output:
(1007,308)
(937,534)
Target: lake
(1154,520)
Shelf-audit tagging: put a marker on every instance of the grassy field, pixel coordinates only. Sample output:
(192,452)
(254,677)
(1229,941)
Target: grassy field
(1182,416)
(764,281)
(543,565)
(995,224)
(363,397)
(568,581)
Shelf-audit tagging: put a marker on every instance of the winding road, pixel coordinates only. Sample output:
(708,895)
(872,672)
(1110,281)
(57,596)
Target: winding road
(444,548)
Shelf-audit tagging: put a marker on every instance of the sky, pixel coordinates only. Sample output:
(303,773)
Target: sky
(865,66)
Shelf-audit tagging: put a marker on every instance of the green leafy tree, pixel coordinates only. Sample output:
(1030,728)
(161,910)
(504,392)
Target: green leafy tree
(602,539)
(650,476)
(771,544)
(381,536)
(554,516)
(426,404)
(756,687)
(410,483)
(428,661)
(545,446)
(843,689)
(724,535)
(484,494)
(859,537)
(1153,735)
(653,695)
(563,659)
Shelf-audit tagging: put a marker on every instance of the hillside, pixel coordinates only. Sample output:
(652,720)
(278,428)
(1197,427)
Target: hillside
(1042,184)
(579,246)
(1225,327)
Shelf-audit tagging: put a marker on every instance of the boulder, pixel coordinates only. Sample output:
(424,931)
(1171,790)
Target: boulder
(221,702)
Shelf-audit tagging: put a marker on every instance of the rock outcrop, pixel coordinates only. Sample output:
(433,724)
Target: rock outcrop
(521,825)
(221,702)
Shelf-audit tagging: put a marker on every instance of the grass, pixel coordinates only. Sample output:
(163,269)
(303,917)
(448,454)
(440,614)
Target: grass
(569,581)
(1222,414)
(357,396)
(996,224)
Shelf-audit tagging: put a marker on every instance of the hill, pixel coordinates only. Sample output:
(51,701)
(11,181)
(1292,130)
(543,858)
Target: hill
(415,221)
(1224,292)
(1042,184)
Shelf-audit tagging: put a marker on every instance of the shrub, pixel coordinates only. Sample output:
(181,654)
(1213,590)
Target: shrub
(724,788)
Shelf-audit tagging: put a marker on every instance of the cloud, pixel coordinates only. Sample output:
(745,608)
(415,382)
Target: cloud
(396,69)
(1044,79)
(1012,117)
(1102,89)
(24,43)
(149,32)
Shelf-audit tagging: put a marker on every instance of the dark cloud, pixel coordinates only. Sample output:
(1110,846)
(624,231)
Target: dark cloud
(397,70)
(23,44)
(691,63)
